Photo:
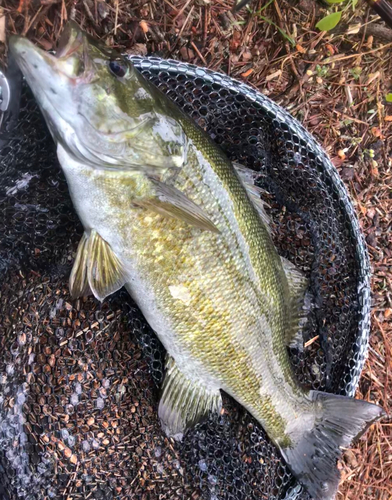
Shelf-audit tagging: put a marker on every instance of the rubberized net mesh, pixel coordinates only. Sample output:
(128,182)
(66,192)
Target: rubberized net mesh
(79,380)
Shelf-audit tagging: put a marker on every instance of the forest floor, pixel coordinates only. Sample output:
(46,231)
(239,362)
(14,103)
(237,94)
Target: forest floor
(335,83)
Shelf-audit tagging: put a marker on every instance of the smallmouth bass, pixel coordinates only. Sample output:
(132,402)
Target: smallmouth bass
(167,215)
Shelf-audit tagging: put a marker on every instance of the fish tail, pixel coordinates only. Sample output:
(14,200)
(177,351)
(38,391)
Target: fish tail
(313,457)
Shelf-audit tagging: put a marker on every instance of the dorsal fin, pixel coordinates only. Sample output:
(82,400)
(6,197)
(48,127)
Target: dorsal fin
(247,177)
(298,312)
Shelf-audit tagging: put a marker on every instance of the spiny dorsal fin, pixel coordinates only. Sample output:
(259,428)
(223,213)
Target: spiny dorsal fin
(247,177)
(170,202)
(96,269)
(297,286)
(183,402)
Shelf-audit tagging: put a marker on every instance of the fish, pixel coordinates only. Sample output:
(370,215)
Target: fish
(168,216)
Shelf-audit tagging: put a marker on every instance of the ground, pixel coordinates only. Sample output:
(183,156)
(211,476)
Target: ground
(335,83)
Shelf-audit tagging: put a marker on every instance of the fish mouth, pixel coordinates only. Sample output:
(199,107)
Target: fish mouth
(54,77)
(70,59)
(70,41)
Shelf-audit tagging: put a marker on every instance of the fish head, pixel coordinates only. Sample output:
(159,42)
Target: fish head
(98,106)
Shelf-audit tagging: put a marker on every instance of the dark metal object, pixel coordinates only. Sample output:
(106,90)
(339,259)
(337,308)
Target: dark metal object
(383,9)
(4,96)
(79,380)
(9,101)
(239,4)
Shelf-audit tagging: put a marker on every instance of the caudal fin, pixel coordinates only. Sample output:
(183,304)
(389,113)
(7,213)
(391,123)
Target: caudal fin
(313,459)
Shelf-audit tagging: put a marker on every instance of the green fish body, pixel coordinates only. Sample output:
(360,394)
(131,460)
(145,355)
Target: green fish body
(167,215)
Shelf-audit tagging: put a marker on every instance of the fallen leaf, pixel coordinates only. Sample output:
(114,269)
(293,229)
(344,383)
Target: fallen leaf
(330,48)
(374,170)
(247,73)
(377,132)
(329,22)
(341,154)
(144,26)
(353,29)
(235,42)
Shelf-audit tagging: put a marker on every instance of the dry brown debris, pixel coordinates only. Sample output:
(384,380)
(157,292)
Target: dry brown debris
(335,84)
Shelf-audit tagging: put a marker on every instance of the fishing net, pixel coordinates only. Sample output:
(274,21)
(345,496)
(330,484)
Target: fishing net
(79,380)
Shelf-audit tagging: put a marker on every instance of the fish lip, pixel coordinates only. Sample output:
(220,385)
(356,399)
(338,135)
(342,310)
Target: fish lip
(70,41)
(21,47)
(29,56)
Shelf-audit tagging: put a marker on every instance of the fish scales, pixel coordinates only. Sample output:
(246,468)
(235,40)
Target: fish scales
(225,283)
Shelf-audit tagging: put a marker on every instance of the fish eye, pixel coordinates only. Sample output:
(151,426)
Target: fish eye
(118,68)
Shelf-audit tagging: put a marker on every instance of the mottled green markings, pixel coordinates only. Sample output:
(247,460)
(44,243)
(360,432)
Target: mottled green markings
(277,431)
(264,257)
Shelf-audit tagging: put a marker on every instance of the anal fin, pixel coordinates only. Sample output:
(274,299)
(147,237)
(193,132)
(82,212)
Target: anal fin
(96,269)
(183,402)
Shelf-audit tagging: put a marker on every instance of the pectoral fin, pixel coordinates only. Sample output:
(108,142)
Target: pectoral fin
(97,268)
(184,403)
(169,201)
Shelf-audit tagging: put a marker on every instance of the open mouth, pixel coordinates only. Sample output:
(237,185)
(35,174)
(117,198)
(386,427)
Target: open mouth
(71,44)
(70,41)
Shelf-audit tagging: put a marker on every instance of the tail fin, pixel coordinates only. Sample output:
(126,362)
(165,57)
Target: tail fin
(313,458)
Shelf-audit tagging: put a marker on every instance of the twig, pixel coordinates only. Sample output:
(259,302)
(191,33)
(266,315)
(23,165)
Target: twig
(334,59)
(199,53)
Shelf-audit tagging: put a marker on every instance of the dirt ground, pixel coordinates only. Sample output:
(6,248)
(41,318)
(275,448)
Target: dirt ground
(335,83)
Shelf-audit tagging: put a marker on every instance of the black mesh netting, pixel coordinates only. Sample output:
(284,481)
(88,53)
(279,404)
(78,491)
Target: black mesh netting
(79,380)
